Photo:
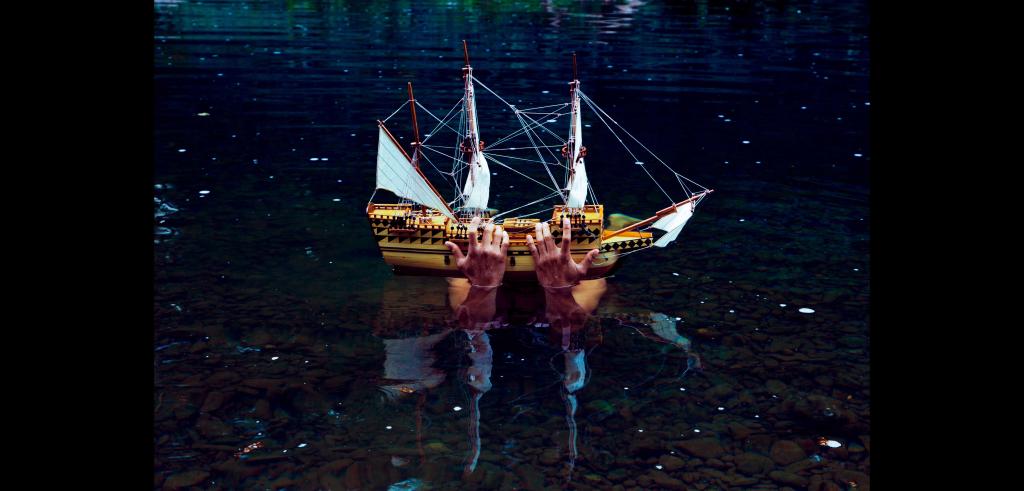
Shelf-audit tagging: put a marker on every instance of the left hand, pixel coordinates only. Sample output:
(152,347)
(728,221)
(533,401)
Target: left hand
(484,265)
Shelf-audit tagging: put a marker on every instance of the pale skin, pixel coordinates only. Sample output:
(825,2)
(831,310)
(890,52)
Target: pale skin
(554,265)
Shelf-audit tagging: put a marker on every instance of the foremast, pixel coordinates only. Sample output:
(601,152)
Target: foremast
(574,151)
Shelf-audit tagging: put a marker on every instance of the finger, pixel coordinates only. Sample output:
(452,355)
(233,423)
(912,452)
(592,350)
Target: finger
(456,252)
(539,231)
(532,245)
(498,235)
(504,243)
(488,234)
(549,240)
(474,224)
(566,235)
(587,261)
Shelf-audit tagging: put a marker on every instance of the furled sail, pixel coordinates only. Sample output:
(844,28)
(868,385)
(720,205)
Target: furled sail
(578,178)
(478,183)
(397,174)
(672,224)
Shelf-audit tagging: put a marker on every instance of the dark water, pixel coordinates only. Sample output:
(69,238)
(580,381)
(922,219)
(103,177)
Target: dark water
(273,309)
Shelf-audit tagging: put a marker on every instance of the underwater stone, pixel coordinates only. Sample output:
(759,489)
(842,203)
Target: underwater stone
(753,464)
(185,479)
(671,463)
(702,447)
(783,477)
(785,452)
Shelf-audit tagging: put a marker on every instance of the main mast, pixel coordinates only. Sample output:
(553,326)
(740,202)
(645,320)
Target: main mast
(476,191)
(574,150)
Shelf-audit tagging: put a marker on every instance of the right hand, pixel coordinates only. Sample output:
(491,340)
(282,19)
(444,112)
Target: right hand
(554,264)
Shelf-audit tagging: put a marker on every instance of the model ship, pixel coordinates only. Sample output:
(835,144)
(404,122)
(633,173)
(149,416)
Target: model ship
(411,233)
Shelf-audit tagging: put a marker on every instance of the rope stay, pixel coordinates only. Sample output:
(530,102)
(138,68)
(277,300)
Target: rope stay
(597,109)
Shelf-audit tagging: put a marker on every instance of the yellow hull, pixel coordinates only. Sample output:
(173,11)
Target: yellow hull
(411,239)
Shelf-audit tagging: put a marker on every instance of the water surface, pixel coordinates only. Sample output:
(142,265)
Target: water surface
(274,312)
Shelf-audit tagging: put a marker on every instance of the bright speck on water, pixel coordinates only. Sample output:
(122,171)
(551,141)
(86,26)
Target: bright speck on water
(743,219)
(806,310)
(658,467)
(695,430)
(803,107)
(204,192)
(181,150)
(746,142)
(858,155)
(457,408)
(720,408)
(833,444)
(782,305)
(388,427)
(203,114)
(336,200)
(274,358)
(301,445)
(675,274)
(313,159)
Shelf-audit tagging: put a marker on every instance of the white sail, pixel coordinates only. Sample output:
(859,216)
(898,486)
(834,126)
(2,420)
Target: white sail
(578,181)
(396,174)
(672,224)
(477,189)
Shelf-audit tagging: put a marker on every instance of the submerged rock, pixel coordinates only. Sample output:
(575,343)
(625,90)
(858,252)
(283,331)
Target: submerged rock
(704,448)
(185,479)
(785,452)
(753,464)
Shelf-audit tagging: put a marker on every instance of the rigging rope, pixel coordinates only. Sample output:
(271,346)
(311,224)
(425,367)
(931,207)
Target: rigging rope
(597,109)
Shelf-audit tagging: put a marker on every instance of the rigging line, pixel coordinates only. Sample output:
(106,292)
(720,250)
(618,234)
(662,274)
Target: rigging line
(440,121)
(594,105)
(519,158)
(635,159)
(545,128)
(539,155)
(440,152)
(552,195)
(423,155)
(396,112)
(511,149)
(513,134)
(536,125)
(491,91)
(549,105)
(492,159)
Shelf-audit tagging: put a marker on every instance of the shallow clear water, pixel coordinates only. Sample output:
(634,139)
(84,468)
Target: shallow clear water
(274,311)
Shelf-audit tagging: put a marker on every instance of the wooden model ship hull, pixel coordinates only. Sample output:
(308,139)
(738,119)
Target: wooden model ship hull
(411,239)
(411,235)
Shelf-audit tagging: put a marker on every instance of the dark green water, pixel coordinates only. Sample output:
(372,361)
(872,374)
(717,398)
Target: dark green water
(273,307)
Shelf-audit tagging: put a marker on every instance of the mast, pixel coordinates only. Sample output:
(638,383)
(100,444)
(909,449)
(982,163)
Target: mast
(415,129)
(476,191)
(574,150)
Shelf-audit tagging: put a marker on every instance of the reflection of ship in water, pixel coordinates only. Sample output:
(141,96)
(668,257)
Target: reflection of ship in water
(498,373)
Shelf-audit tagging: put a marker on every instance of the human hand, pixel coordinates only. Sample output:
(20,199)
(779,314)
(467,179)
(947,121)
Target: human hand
(554,264)
(484,264)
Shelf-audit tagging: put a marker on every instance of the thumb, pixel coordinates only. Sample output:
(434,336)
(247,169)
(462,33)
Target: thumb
(455,251)
(587,261)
